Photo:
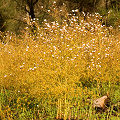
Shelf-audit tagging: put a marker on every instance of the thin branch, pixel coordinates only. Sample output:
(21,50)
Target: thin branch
(26,10)
(6,4)
(35,2)
(28,2)
(16,19)
(18,3)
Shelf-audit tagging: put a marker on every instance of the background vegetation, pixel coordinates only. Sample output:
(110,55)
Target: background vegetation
(13,12)
(57,66)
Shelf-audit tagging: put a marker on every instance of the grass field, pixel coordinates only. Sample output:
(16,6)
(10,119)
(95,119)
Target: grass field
(52,74)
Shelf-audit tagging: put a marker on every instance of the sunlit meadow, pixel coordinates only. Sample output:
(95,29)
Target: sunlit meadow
(50,74)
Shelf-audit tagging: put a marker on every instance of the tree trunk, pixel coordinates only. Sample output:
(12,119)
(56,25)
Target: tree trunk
(32,14)
(31,4)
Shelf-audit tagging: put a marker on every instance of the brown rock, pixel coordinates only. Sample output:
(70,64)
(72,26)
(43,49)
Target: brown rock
(100,102)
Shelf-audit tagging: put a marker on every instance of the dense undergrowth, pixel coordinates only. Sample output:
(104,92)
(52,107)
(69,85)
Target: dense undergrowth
(50,74)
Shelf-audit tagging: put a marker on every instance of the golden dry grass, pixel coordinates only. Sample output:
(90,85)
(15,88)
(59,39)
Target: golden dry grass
(52,73)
